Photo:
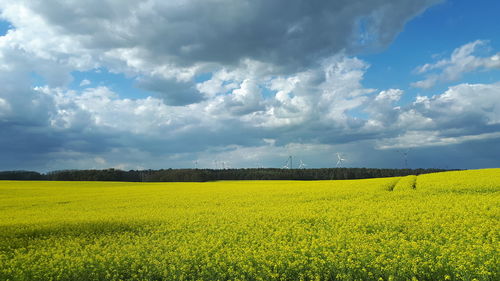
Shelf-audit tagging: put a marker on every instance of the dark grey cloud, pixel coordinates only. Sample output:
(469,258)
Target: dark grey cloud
(20,105)
(291,33)
(171,91)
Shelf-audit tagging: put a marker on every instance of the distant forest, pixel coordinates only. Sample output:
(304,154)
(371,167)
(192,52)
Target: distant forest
(203,175)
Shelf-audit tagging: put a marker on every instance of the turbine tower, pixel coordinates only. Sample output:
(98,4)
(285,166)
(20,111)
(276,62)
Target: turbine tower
(302,165)
(340,160)
(288,163)
(404,155)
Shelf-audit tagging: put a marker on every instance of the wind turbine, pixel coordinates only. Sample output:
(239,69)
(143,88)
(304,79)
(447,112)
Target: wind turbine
(404,154)
(288,161)
(195,164)
(302,165)
(340,160)
(225,165)
(286,165)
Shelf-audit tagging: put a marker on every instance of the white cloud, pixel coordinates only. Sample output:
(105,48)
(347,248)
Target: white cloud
(463,113)
(100,160)
(462,60)
(85,82)
(422,139)
(102,109)
(322,96)
(246,99)
(464,105)
(382,109)
(4,106)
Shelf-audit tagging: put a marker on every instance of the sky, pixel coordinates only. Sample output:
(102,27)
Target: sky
(244,84)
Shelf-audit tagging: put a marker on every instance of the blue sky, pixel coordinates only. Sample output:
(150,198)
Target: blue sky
(4,27)
(435,33)
(135,86)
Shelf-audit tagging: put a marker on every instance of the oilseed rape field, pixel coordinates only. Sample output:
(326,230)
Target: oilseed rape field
(442,226)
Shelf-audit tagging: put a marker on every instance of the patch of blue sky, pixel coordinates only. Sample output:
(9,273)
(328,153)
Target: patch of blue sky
(267,93)
(4,27)
(430,36)
(229,82)
(118,82)
(202,77)
(358,113)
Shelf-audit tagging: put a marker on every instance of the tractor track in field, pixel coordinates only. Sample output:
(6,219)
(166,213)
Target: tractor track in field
(404,183)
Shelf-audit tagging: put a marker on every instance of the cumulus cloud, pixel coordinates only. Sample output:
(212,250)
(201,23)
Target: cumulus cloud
(96,123)
(382,108)
(463,113)
(464,106)
(412,139)
(461,61)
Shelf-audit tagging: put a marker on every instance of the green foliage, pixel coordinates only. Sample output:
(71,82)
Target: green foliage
(20,175)
(445,229)
(203,175)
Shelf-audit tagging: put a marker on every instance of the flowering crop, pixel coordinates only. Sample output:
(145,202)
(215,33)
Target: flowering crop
(440,226)
(406,183)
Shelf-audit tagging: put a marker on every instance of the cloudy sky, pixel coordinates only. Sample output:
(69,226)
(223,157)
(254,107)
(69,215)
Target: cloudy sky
(167,84)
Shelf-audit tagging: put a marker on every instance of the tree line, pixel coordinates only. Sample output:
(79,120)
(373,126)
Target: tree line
(203,175)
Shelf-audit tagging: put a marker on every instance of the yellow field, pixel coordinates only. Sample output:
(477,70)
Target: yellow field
(447,228)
